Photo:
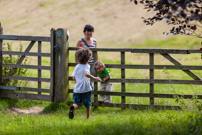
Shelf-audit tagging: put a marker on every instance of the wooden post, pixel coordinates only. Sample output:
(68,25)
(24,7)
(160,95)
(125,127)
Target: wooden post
(52,85)
(39,64)
(123,87)
(1,59)
(151,76)
(95,84)
(61,66)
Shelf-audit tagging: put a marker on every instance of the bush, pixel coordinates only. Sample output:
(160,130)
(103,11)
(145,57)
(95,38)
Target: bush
(10,59)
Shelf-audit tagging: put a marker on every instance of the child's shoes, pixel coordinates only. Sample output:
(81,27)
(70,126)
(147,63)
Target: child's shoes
(71,112)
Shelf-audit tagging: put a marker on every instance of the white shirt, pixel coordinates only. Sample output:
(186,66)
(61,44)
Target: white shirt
(82,82)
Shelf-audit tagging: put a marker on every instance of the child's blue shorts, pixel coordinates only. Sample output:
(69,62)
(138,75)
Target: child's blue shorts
(85,97)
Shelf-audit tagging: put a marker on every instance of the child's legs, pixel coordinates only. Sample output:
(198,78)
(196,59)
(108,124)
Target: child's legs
(108,88)
(77,100)
(76,106)
(88,112)
(102,88)
(86,97)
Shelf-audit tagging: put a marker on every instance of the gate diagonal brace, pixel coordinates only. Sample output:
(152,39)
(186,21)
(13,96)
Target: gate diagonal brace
(171,59)
(19,61)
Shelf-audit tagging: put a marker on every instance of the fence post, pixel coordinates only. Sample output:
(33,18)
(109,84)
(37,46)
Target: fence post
(39,64)
(123,87)
(52,43)
(61,58)
(95,84)
(1,59)
(151,76)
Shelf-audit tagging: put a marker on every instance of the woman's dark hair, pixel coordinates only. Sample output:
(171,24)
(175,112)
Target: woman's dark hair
(83,55)
(88,27)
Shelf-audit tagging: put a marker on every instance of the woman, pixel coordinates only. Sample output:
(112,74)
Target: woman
(88,42)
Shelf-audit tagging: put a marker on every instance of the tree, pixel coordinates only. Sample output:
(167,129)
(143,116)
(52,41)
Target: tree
(184,15)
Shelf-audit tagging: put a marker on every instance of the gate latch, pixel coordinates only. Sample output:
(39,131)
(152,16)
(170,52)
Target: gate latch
(56,47)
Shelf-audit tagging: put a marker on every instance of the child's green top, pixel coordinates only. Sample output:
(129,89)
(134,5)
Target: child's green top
(103,74)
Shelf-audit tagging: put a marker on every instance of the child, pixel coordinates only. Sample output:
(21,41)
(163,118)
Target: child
(81,75)
(104,74)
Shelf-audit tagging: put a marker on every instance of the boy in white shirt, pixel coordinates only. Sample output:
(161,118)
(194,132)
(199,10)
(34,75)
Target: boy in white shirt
(81,75)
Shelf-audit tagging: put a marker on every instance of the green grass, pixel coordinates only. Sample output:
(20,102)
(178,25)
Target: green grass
(103,121)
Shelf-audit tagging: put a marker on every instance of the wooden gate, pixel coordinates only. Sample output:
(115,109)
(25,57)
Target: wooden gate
(151,81)
(56,44)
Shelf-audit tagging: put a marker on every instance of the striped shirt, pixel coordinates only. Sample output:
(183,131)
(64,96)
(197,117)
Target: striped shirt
(89,46)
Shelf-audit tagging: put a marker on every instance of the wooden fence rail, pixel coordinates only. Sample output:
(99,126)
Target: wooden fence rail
(151,81)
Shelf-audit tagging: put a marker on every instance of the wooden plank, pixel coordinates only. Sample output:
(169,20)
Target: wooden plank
(151,77)
(159,81)
(26,53)
(191,74)
(133,94)
(19,62)
(141,50)
(27,66)
(25,38)
(176,67)
(1,58)
(25,89)
(10,94)
(26,78)
(136,106)
(95,83)
(52,84)
(123,87)
(39,64)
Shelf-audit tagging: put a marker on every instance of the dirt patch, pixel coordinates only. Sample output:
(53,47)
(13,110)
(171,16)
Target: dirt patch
(35,110)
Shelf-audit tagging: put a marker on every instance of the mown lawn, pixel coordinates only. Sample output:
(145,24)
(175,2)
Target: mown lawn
(108,121)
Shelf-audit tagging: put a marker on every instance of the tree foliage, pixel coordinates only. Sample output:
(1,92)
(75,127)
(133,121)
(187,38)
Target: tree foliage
(183,14)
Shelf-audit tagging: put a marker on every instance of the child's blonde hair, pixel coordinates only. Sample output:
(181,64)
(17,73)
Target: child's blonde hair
(98,63)
(83,55)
